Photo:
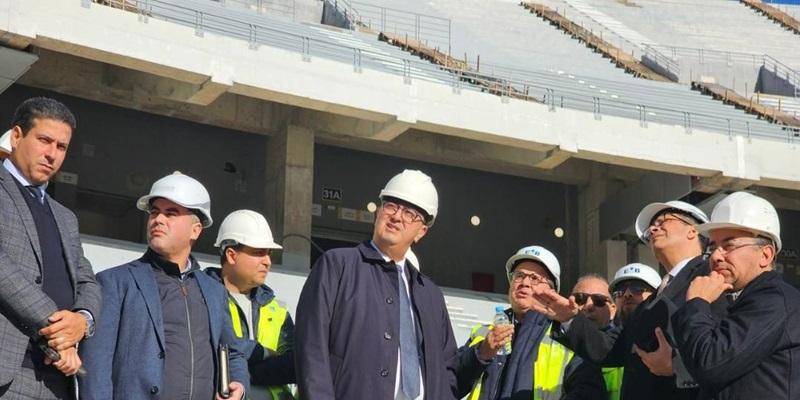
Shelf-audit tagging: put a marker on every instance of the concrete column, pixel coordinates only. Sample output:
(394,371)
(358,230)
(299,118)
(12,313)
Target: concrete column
(590,197)
(289,191)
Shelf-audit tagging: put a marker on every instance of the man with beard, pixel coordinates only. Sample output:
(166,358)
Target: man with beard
(632,284)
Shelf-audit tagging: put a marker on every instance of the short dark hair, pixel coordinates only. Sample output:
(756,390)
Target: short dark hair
(42,108)
(223,257)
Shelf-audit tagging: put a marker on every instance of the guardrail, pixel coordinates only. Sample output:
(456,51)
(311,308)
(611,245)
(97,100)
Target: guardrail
(504,82)
(730,58)
(431,31)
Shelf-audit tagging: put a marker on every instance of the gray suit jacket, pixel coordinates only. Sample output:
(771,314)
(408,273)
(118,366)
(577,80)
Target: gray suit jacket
(24,307)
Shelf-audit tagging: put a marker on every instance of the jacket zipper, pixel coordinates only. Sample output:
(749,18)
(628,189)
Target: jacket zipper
(185,293)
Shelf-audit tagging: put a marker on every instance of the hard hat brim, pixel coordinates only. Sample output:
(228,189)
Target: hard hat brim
(516,258)
(706,229)
(613,283)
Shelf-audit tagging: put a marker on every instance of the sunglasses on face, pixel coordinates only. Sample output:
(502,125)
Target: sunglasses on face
(635,288)
(597,299)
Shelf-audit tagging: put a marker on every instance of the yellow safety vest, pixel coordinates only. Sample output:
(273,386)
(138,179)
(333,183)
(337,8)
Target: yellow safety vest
(613,379)
(548,369)
(270,321)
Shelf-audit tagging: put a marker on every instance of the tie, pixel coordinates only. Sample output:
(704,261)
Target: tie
(35,192)
(409,359)
(664,283)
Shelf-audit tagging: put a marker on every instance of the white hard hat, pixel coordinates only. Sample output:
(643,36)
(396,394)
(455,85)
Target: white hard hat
(639,272)
(416,188)
(5,142)
(539,254)
(248,228)
(182,190)
(742,210)
(647,214)
(410,256)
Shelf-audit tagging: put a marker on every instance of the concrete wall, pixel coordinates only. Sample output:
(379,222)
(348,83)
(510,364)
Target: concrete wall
(514,212)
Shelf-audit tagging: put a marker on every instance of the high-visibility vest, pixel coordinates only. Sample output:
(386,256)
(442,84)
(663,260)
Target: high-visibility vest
(613,379)
(270,321)
(548,369)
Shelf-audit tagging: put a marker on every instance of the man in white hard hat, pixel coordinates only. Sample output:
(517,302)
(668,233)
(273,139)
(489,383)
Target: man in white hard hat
(537,366)
(652,370)
(246,245)
(753,352)
(5,145)
(48,291)
(632,284)
(369,324)
(163,319)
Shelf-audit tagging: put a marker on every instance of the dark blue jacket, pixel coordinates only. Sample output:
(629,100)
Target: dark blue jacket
(754,352)
(347,329)
(614,347)
(125,357)
(511,377)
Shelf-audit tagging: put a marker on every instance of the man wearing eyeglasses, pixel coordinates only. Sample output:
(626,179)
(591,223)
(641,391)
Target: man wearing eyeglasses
(369,324)
(537,367)
(652,370)
(591,296)
(753,352)
(632,284)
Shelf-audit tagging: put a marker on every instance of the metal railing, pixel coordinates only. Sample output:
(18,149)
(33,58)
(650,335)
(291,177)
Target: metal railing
(504,82)
(731,58)
(431,31)
(346,10)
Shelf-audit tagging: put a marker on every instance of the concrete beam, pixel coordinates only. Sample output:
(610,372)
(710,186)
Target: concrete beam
(554,158)
(720,182)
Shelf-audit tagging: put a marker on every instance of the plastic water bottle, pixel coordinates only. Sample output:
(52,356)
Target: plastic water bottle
(500,318)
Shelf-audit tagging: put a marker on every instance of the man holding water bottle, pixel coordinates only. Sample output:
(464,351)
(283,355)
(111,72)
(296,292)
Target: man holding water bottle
(519,360)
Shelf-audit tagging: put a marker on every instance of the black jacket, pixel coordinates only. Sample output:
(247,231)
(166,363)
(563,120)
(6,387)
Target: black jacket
(754,352)
(347,337)
(614,347)
(511,377)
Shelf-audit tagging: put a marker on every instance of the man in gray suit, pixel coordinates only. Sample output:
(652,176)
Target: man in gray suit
(48,292)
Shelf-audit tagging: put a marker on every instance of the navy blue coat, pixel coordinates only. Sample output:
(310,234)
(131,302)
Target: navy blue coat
(346,342)
(754,352)
(125,357)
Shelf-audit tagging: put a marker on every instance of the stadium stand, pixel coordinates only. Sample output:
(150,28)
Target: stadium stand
(774,14)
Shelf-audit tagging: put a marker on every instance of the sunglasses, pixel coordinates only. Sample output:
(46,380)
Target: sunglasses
(635,288)
(597,299)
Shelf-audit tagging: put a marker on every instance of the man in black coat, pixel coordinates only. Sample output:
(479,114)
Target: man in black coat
(644,345)
(369,324)
(753,352)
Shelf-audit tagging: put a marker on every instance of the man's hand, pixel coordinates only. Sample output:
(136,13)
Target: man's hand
(495,339)
(708,288)
(237,392)
(70,362)
(66,329)
(658,362)
(552,304)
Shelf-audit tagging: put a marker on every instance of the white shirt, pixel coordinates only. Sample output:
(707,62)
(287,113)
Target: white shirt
(678,267)
(399,395)
(12,169)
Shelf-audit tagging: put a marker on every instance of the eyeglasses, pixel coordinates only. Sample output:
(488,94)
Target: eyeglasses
(408,215)
(667,217)
(731,245)
(597,299)
(635,288)
(535,278)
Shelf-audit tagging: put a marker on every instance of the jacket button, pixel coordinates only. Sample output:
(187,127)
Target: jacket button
(387,335)
(38,280)
(389,300)
(154,390)
(161,354)
(384,372)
